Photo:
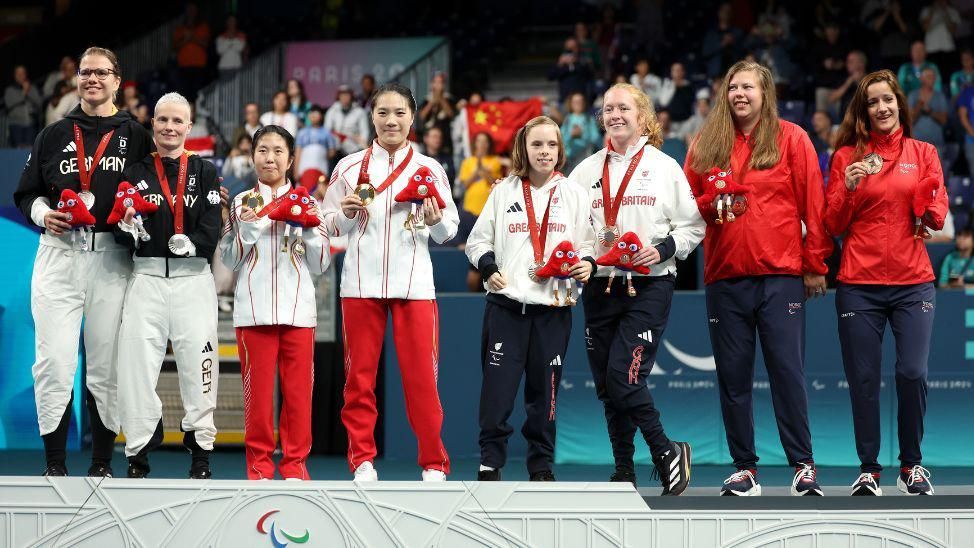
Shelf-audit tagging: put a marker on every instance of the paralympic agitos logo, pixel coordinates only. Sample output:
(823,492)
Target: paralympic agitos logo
(273,534)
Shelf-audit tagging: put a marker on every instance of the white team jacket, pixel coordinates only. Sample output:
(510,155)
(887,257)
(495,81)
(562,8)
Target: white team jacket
(658,202)
(273,288)
(384,260)
(502,228)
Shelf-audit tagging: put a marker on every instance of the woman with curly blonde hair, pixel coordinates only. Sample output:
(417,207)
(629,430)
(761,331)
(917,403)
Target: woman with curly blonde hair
(763,258)
(635,190)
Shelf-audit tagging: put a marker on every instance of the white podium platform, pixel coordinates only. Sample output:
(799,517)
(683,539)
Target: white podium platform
(48,512)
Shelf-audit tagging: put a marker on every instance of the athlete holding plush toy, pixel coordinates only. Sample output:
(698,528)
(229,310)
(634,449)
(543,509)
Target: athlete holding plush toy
(534,214)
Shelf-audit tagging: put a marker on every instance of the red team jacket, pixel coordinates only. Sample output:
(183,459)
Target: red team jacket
(877,219)
(767,238)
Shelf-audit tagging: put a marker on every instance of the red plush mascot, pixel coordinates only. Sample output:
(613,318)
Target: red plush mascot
(79,217)
(562,259)
(421,185)
(721,183)
(125,197)
(620,257)
(924,196)
(294,211)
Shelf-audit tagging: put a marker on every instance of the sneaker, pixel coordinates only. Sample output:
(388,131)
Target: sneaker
(99,470)
(742,483)
(136,471)
(366,472)
(489,475)
(544,475)
(55,469)
(914,480)
(293,479)
(867,485)
(200,469)
(224,303)
(804,484)
(673,468)
(623,475)
(432,474)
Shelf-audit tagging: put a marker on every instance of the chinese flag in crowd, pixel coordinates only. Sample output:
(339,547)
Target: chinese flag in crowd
(501,120)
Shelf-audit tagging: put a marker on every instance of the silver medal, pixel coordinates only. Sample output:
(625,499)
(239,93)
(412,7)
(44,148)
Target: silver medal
(609,235)
(179,244)
(87,198)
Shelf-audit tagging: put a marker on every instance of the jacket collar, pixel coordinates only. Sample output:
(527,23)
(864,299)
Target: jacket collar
(630,152)
(281,190)
(380,154)
(887,145)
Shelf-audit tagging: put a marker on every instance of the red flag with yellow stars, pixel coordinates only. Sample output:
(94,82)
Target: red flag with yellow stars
(501,120)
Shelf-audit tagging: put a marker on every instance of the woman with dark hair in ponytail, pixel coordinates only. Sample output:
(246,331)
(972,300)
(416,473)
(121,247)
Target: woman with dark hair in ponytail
(80,272)
(885,190)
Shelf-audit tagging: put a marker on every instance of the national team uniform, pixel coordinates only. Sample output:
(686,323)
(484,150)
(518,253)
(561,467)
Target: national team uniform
(886,276)
(527,324)
(275,315)
(753,276)
(387,269)
(623,332)
(72,282)
(171,298)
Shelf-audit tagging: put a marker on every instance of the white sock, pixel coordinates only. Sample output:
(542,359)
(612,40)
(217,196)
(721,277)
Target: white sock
(486,468)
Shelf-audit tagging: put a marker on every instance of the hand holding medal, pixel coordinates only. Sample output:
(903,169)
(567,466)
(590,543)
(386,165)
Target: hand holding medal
(298,211)
(364,193)
(724,194)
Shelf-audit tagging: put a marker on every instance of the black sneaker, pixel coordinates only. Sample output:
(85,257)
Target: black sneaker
(914,480)
(623,475)
(55,469)
(544,475)
(804,484)
(743,483)
(489,475)
(137,471)
(200,469)
(100,470)
(673,468)
(867,485)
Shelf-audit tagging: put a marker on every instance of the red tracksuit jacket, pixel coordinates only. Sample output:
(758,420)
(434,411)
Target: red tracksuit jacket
(877,218)
(767,238)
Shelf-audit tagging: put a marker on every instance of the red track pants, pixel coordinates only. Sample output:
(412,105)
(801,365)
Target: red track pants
(291,349)
(415,331)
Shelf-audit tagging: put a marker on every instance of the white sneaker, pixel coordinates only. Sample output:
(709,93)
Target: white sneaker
(366,472)
(299,479)
(433,475)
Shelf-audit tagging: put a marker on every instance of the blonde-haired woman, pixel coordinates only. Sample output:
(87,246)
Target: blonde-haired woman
(759,269)
(526,218)
(634,187)
(886,186)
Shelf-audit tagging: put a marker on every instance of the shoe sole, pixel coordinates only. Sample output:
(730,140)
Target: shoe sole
(752,492)
(901,485)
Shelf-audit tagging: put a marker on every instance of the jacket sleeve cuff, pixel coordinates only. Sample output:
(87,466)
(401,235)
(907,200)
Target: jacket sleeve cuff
(440,232)
(591,260)
(666,248)
(38,209)
(487,266)
(343,223)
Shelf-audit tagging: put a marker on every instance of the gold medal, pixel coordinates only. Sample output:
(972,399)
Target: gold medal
(366,193)
(255,201)
(874,163)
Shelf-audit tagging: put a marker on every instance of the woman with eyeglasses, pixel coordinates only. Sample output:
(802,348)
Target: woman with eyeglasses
(82,278)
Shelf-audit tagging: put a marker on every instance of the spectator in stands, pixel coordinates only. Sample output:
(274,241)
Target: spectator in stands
(316,148)
(885,19)
(722,44)
(202,138)
(251,123)
(588,49)
(964,77)
(691,127)
(141,115)
(64,99)
(648,82)
(23,103)
(828,59)
(957,269)
(478,172)
(573,72)
(580,132)
(677,96)
(349,122)
(460,132)
(965,113)
(909,73)
(673,145)
(131,98)
(298,101)
(928,111)
(67,71)
(433,147)
(232,48)
(939,21)
(191,42)
(770,43)
(239,165)
(280,114)
(437,109)
(855,65)
(821,133)
(368,89)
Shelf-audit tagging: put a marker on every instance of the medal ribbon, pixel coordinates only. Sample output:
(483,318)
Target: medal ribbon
(175,205)
(266,210)
(364,171)
(83,173)
(537,240)
(611,206)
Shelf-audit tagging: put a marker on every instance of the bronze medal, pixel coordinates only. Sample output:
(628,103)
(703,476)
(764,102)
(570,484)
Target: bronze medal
(874,163)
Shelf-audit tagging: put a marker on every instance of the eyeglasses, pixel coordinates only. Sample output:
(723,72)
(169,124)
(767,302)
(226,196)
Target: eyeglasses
(101,73)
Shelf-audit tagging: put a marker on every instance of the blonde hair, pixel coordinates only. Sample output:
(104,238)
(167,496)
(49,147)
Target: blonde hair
(715,142)
(855,127)
(645,111)
(519,156)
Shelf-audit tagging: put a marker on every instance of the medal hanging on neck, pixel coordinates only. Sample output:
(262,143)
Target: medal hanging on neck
(610,233)
(539,235)
(84,172)
(364,189)
(179,243)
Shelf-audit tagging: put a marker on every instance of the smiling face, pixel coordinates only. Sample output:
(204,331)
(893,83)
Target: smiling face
(272,159)
(542,147)
(93,91)
(392,119)
(745,96)
(882,107)
(621,118)
(170,125)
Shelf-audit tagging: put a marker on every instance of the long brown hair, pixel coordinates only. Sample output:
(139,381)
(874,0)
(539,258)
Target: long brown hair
(714,144)
(856,125)
(646,114)
(520,165)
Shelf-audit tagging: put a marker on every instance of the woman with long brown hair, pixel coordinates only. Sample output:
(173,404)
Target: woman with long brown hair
(885,189)
(759,268)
